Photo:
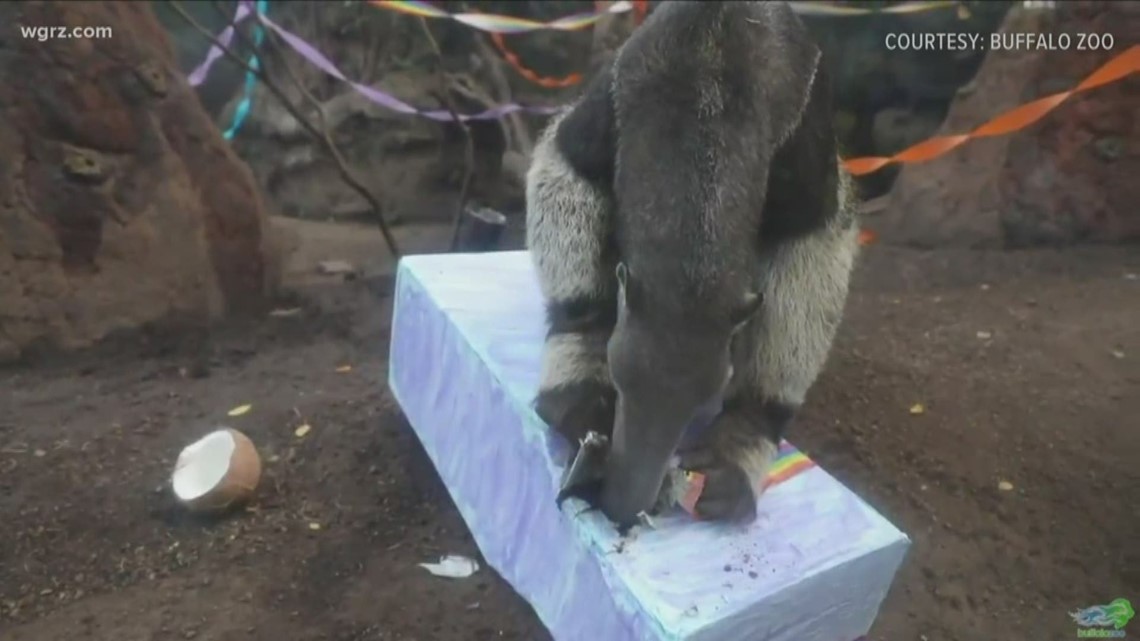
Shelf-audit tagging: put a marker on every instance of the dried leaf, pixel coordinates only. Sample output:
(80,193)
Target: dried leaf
(867,237)
(917,409)
(302,430)
(241,409)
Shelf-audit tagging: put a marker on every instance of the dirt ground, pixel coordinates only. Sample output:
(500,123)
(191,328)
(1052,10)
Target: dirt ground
(1027,366)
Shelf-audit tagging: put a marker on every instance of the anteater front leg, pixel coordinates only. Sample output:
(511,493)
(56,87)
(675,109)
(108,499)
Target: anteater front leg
(569,234)
(776,359)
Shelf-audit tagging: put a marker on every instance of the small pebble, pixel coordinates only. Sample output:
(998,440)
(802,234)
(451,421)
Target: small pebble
(1005,486)
(984,335)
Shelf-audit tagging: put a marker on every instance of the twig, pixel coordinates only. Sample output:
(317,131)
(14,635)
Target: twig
(522,142)
(342,166)
(468,141)
(519,136)
(323,136)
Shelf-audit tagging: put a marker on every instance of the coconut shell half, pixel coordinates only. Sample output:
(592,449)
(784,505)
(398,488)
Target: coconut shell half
(217,472)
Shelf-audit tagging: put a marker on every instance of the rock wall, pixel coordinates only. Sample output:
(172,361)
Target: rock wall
(1068,178)
(120,204)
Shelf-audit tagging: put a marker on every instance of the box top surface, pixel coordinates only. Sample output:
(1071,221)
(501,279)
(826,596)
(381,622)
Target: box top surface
(686,575)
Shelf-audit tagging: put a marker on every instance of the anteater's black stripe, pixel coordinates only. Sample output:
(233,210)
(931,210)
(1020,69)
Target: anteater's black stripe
(581,315)
(771,418)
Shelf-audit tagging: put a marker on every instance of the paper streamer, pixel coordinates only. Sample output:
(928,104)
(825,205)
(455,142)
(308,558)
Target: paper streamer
(1115,69)
(516,63)
(640,9)
(493,23)
(835,10)
(198,76)
(1119,67)
(310,53)
(242,110)
(502,24)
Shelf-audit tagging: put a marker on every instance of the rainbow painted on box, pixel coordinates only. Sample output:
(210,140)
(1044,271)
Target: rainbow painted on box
(789,463)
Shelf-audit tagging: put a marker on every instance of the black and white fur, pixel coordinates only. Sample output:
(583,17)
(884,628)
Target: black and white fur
(693,235)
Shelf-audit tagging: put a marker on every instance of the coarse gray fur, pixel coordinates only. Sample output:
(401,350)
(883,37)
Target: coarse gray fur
(693,235)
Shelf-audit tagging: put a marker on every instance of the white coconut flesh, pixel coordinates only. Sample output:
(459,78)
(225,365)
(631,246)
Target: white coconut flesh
(203,465)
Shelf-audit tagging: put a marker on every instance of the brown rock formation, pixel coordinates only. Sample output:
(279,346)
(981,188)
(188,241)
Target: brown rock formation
(1069,178)
(120,204)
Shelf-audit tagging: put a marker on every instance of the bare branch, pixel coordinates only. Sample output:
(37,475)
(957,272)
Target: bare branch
(320,135)
(468,141)
(521,137)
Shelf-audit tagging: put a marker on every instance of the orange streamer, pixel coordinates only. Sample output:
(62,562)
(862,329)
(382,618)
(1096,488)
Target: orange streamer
(640,10)
(542,81)
(1008,122)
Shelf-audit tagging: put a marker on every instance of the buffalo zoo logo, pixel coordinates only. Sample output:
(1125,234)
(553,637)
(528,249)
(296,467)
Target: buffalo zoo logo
(1104,621)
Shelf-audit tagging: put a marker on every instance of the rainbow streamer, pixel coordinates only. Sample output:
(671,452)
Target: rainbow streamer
(242,110)
(828,9)
(493,23)
(499,23)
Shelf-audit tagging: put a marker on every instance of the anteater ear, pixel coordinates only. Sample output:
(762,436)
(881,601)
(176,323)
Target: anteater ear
(622,273)
(746,310)
(627,288)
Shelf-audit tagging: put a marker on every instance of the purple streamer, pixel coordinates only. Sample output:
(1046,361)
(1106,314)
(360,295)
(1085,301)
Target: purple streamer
(198,76)
(310,53)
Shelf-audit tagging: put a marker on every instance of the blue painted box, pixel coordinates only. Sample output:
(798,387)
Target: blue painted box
(466,343)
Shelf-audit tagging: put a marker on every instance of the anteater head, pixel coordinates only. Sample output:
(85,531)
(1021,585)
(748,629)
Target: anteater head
(669,360)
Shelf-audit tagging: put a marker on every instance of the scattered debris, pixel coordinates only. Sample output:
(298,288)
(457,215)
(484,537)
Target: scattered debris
(917,409)
(302,430)
(335,267)
(1005,486)
(239,410)
(452,566)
